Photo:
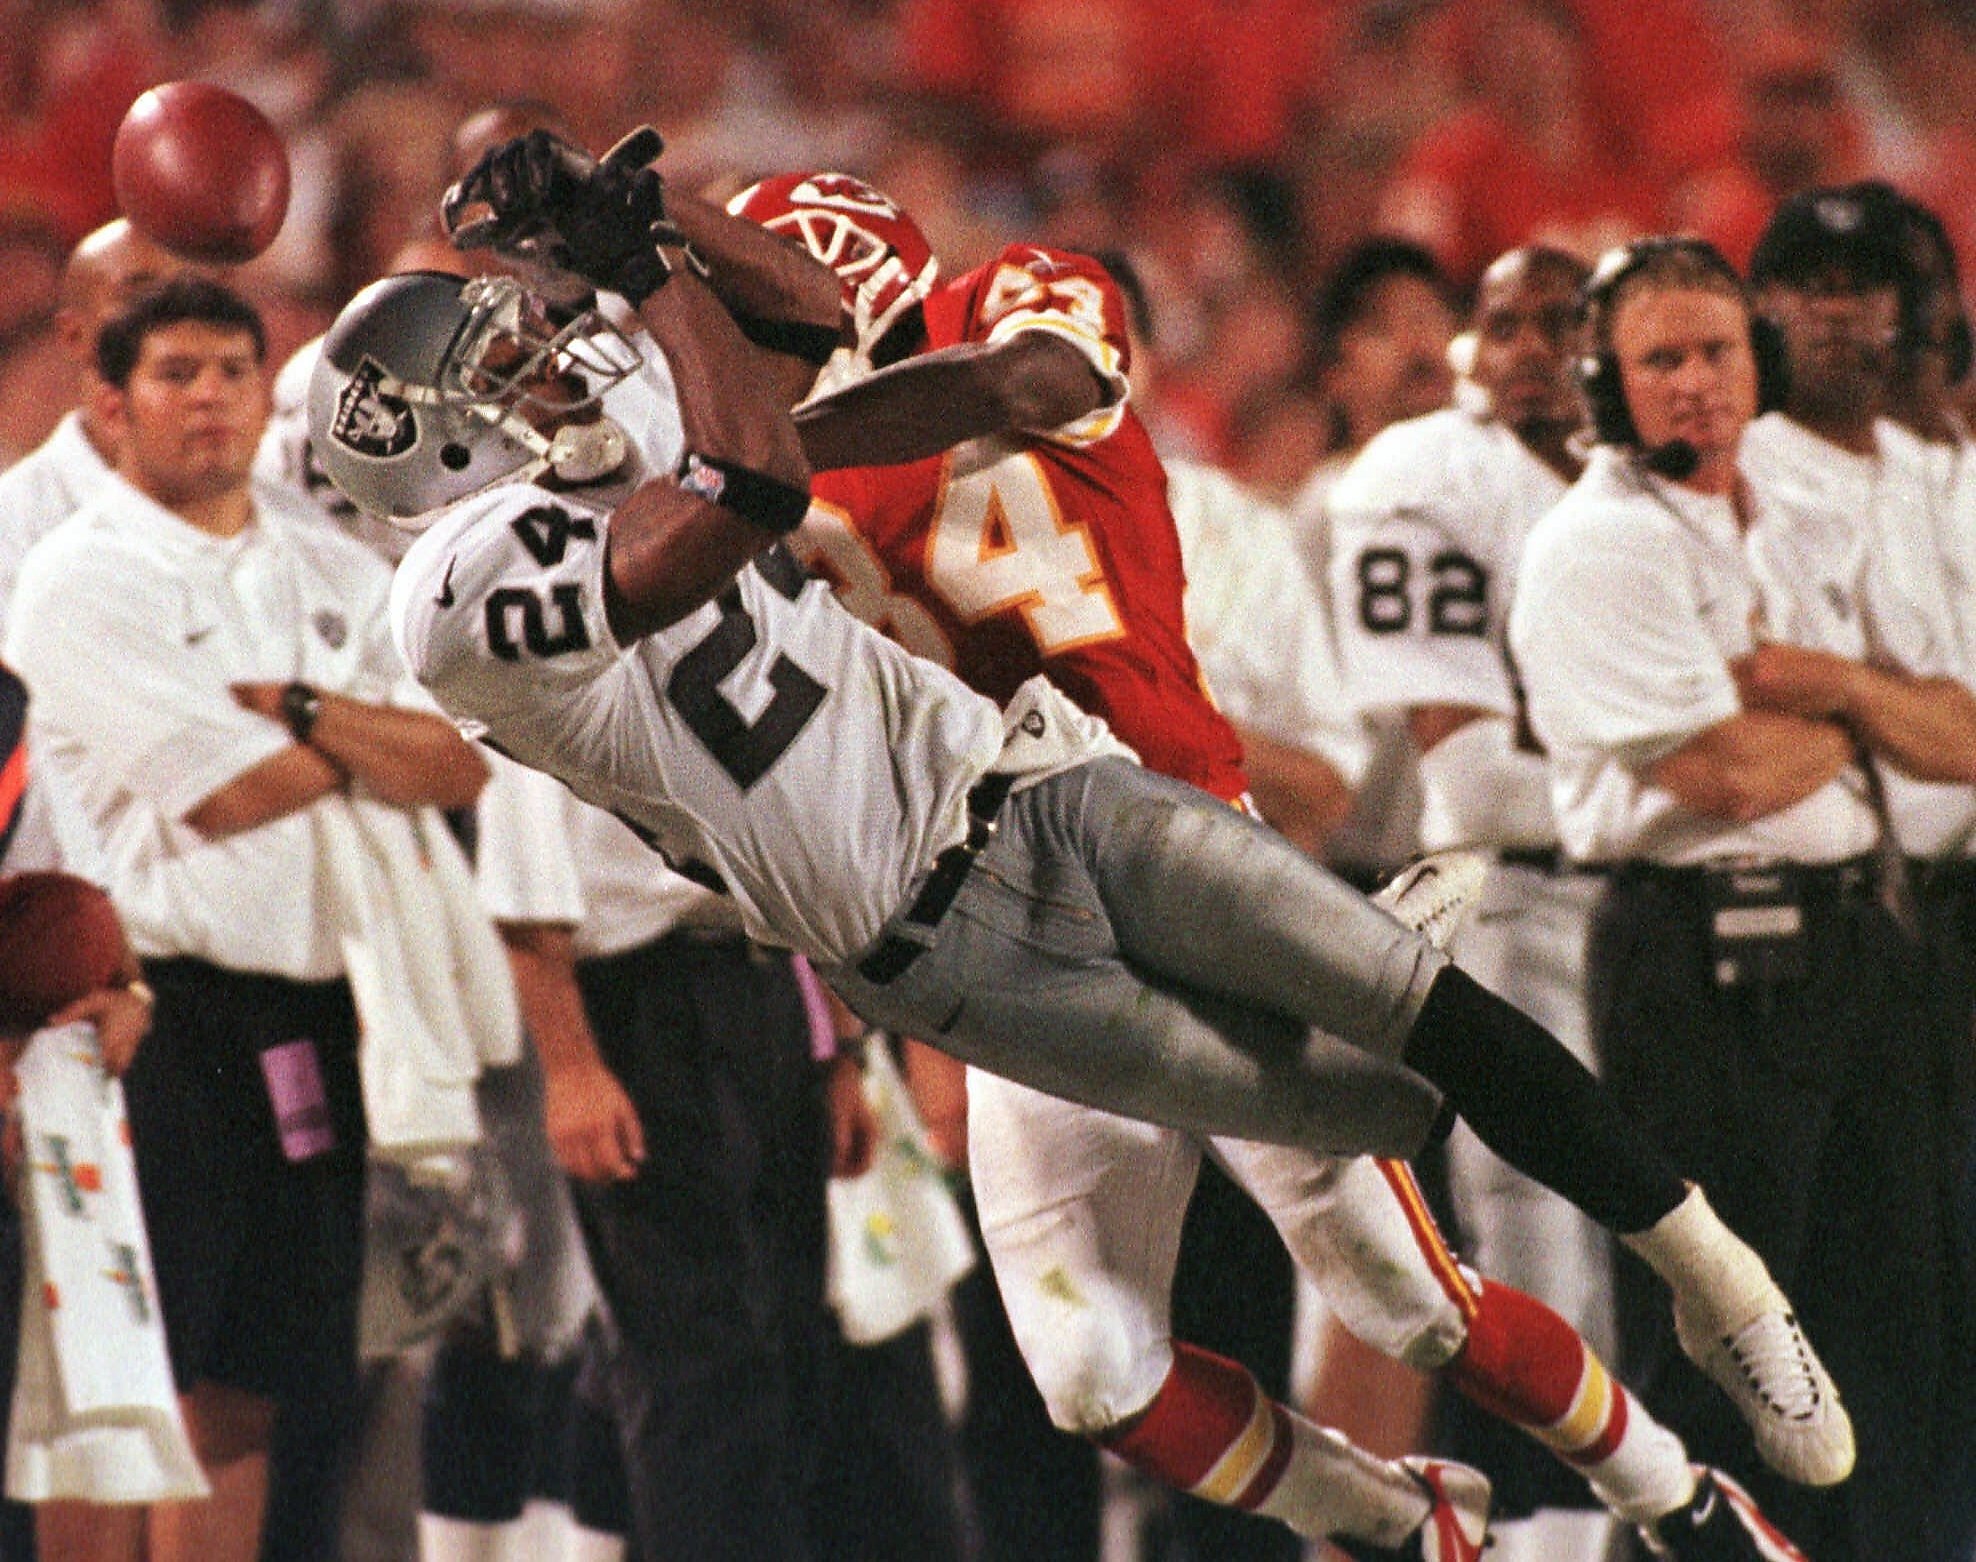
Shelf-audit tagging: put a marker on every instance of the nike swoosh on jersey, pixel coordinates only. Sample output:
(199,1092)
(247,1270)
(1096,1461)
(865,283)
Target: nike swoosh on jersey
(194,636)
(445,597)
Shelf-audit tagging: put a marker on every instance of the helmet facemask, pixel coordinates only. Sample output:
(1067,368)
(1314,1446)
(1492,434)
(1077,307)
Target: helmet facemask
(510,360)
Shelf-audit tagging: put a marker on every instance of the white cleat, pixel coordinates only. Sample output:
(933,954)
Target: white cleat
(1433,895)
(1456,1528)
(1767,1367)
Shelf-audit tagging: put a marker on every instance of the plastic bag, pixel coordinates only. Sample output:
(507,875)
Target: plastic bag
(898,1240)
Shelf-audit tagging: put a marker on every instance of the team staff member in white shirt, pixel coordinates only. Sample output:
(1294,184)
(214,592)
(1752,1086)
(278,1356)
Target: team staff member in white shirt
(1750,994)
(685,1101)
(105,271)
(1846,275)
(1428,525)
(208,660)
(1931,372)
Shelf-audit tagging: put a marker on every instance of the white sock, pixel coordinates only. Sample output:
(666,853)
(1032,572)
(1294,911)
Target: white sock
(1647,1476)
(551,1534)
(465,1540)
(1333,1487)
(1706,1265)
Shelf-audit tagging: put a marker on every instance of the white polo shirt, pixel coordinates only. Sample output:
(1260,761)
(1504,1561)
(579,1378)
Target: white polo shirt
(1885,513)
(546,856)
(1634,597)
(128,626)
(1261,631)
(41,490)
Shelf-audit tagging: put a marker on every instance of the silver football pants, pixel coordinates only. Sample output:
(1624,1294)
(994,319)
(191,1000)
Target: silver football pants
(1130,943)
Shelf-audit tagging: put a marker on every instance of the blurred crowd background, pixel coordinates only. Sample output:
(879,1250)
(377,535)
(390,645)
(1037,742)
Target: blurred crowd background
(1235,149)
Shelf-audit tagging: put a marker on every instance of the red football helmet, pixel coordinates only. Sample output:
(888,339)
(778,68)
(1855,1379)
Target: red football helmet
(883,259)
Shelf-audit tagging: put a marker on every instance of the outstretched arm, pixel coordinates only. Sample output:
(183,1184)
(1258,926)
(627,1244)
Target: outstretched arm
(679,539)
(1027,383)
(783,297)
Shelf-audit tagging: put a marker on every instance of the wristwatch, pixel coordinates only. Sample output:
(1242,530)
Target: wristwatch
(301,704)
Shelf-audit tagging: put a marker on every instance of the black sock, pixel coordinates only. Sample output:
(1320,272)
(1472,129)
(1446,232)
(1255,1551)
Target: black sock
(1538,1107)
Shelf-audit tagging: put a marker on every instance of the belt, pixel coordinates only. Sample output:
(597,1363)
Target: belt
(1856,876)
(1548,859)
(890,956)
(1942,873)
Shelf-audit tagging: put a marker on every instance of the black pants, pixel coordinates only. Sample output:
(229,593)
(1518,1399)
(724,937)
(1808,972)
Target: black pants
(259,1258)
(1811,1113)
(712,1257)
(1948,904)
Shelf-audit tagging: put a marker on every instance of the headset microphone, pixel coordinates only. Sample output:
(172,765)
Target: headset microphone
(1676,460)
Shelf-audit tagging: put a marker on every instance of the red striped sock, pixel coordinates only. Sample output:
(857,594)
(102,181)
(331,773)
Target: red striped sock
(1210,1430)
(1526,1364)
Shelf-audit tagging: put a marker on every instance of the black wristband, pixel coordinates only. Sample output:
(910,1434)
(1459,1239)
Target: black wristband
(765,501)
(301,704)
(639,275)
(815,344)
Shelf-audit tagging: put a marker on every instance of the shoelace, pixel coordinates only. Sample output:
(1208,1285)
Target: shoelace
(1776,1363)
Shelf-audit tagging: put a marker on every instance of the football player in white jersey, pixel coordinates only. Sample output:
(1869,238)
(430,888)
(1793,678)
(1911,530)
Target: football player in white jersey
(1009,886)
(1080,1208)
(1427,529)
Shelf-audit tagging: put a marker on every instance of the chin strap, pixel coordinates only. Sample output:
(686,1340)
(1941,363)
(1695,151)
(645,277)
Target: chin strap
(585,452)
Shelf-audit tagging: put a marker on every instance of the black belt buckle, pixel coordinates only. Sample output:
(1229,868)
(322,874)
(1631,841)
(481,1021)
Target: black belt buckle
(1757,927)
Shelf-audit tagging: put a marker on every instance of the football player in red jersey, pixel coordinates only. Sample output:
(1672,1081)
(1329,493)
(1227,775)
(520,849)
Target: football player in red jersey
(984,492)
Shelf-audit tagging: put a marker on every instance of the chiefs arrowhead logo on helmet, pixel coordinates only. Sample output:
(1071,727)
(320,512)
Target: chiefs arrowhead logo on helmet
(860,233)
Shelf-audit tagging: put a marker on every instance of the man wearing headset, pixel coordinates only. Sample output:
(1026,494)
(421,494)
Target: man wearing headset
(1698,667)
(1856,279)
(1931,374)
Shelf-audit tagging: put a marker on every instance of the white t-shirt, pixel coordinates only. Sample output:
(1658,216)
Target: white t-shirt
(768,741)
(41,490)
(1635,595)
(1261,632)
(128,626)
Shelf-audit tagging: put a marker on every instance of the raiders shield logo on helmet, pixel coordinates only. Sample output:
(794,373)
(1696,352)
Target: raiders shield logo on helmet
(371,421)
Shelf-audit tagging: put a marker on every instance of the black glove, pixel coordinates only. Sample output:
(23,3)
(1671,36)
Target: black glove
(547,201)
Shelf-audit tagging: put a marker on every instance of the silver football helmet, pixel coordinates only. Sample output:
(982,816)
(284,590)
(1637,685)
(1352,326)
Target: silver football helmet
(430,388)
